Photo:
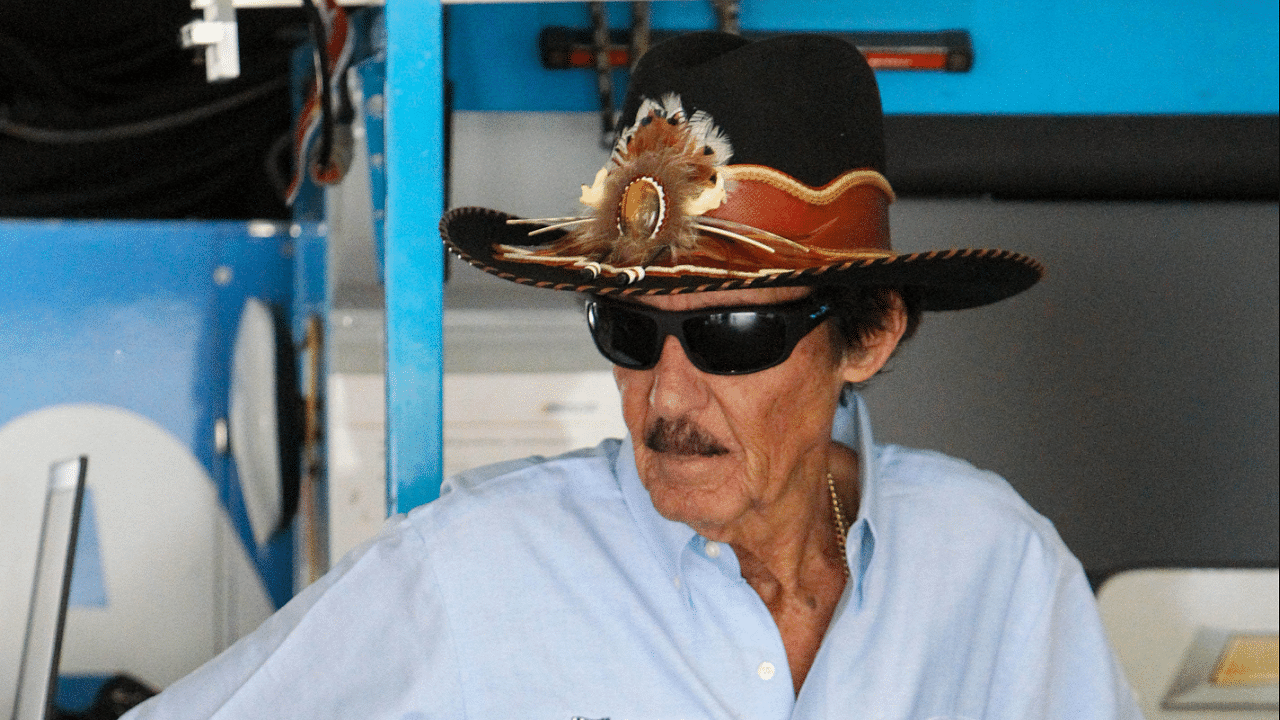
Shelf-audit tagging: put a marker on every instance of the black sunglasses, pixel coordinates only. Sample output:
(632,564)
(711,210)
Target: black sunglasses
(721,341)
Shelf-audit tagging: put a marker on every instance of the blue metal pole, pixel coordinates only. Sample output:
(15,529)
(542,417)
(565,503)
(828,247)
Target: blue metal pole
(414,259)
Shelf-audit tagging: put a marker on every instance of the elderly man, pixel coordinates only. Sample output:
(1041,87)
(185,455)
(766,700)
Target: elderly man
(748,551)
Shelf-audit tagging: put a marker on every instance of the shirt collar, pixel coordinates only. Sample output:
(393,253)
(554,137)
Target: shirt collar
(851,428)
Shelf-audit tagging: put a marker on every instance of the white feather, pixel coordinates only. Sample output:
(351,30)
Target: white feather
(734,235)
(708,200)
(541,221)
(558,226)
(721,225)
(591,196)
(705,131)
(672,108)
(647,105)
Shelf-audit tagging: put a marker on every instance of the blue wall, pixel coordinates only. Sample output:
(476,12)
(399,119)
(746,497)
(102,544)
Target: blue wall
(141,316)
(1089,57)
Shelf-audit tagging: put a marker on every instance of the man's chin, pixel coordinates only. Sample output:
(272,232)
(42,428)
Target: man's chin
(675,474)
(682,494)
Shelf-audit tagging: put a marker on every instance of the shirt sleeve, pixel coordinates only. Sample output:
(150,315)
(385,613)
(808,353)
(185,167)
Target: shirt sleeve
(1058,663)
(369,640)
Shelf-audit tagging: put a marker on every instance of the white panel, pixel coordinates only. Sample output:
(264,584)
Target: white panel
(491,417)
(179,585)
(357,459)
(1152,617)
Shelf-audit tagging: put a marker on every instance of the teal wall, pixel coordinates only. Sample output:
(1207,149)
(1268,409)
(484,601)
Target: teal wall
(1087,57)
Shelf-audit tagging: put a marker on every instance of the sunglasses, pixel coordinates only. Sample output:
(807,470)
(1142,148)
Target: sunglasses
(721,341)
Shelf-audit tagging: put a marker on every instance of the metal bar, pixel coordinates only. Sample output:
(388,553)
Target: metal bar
(604,69)
(38,673)
(562,48)
(414,260)
(641,30)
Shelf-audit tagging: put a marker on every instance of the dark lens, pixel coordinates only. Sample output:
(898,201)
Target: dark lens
(625,337)
(736,342)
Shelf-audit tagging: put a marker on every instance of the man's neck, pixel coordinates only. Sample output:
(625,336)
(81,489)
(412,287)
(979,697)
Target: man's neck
(794,563)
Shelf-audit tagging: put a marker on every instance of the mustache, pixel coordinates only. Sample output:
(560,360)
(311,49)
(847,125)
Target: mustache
(682,437)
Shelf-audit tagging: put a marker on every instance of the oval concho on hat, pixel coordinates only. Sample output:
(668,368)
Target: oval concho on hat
(669,214)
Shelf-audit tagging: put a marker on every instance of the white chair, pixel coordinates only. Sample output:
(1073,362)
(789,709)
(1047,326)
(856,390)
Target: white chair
(1187,637)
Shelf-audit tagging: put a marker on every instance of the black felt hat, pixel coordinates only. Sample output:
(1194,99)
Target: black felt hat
(738,164)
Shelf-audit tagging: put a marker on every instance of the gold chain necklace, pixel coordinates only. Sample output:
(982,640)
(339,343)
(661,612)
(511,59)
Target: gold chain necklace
(842,529)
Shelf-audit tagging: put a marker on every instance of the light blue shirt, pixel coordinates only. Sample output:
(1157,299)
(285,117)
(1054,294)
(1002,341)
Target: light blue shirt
(552,590)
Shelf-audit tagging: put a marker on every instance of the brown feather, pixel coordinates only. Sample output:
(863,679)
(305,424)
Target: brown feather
(640,211)
(665,150)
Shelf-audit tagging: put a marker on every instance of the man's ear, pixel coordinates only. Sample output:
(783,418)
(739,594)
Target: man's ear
(859,367)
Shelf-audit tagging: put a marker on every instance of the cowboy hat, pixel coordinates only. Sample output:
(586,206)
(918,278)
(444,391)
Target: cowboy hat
(737,164)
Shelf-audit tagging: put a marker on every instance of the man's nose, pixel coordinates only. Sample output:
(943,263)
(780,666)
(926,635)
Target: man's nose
(678,386)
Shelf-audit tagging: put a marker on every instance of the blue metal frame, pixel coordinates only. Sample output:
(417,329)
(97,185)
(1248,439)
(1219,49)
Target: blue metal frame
(414,255)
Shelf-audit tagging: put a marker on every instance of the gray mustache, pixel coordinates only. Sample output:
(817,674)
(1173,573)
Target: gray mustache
(682,437)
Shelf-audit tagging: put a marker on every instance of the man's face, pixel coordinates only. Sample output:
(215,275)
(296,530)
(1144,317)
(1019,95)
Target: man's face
(712,449)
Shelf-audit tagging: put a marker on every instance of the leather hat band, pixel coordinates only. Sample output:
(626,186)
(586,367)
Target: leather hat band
(849,215)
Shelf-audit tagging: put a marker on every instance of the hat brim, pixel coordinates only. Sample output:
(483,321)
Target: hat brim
(954,279)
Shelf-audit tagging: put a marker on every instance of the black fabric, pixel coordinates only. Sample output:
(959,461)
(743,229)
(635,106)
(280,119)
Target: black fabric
(1085,157)
(807,105)
(114,92)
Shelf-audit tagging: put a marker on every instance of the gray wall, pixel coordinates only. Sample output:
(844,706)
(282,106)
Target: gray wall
(1131,396)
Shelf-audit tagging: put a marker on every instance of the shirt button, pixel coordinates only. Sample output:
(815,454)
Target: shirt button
(713,549)
(766,670)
